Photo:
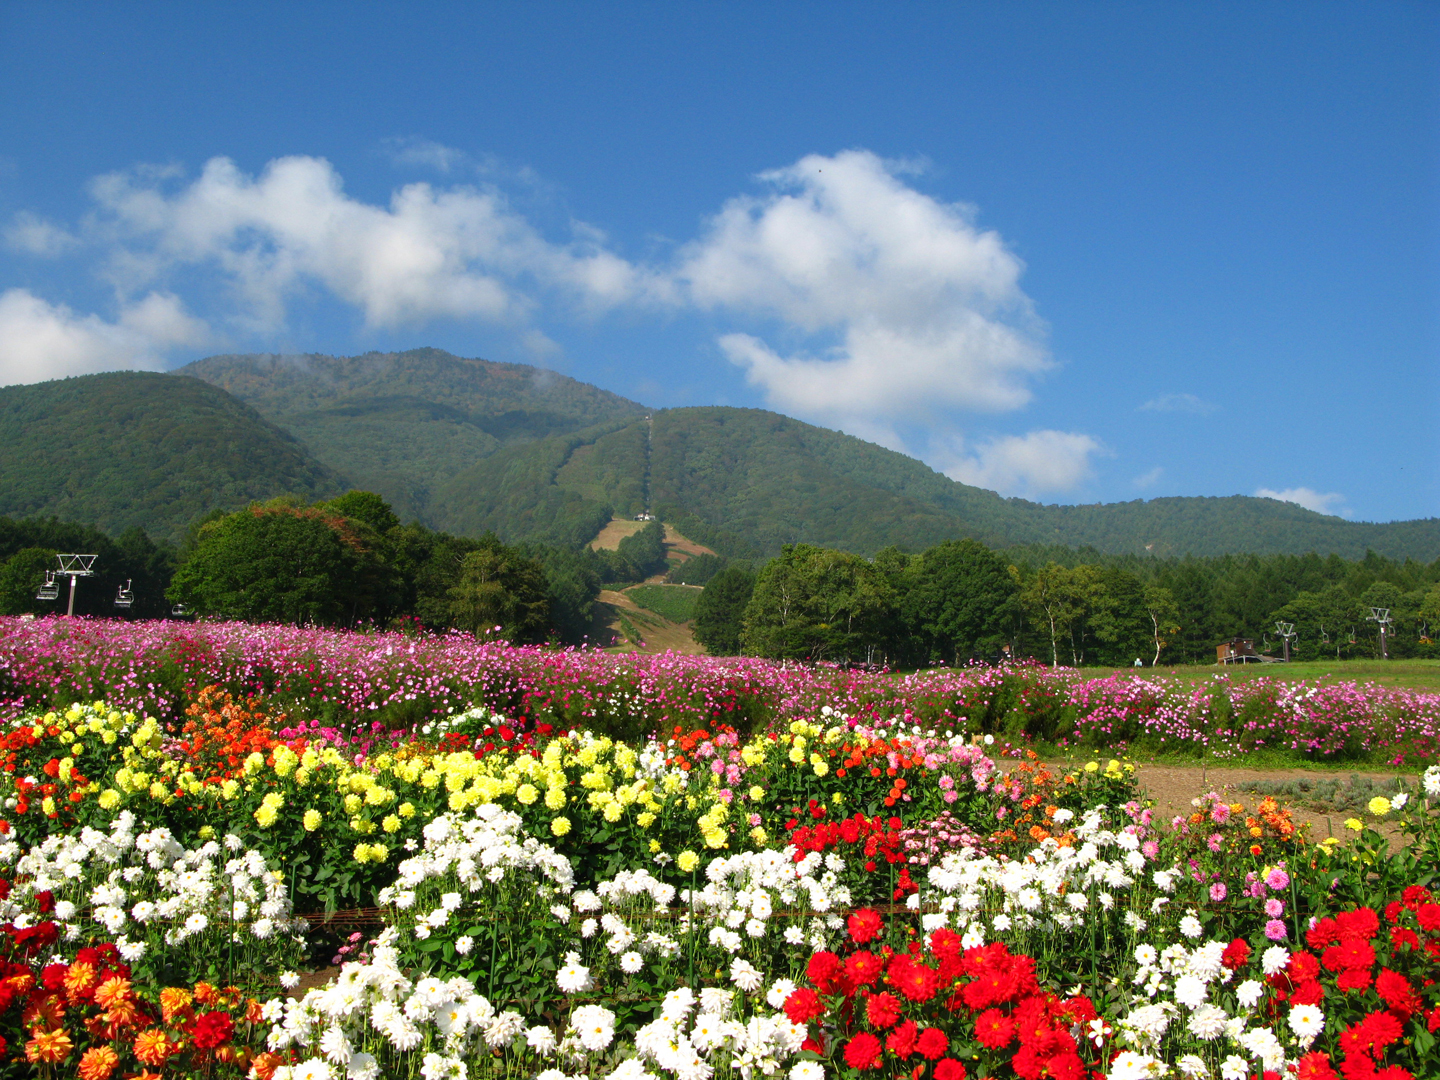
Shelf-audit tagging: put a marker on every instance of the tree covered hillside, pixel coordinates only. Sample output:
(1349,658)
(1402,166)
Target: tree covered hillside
(402,424)
(135,449)
(746,482)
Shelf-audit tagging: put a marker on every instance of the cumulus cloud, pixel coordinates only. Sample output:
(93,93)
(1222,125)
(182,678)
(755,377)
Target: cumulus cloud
(915,307)
(1187,403)
(431,253)
(40,340)
(1328,503)
(35,236)
(1037,463)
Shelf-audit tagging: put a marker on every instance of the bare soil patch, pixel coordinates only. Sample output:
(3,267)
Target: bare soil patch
(657,633)
(1171,787)
(615,531)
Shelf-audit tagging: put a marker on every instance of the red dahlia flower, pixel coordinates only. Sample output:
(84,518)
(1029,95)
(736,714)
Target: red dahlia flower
(863,1051)
(882,1010)
(803,1005)
(901,1041)
(932,1044)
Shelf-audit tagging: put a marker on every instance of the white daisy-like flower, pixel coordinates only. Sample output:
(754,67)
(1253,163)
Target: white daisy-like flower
(631,962)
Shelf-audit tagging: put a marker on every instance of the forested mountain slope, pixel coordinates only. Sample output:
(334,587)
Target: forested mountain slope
(746,481)
(131,448)
(401,423)
(470,446)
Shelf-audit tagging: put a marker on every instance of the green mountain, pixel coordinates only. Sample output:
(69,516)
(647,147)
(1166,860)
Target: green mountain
(746,481)
(469,446)
(402,423)
(135,448)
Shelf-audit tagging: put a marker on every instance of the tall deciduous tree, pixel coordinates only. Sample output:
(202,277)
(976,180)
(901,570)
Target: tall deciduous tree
(278,563)
(501,592)
(1164,617)
(956,599)
(813,603)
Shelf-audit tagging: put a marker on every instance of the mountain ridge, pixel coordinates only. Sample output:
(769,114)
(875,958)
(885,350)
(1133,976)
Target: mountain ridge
(470,445)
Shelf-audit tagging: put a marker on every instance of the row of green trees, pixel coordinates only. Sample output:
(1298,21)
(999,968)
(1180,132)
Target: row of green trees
(961,600)
(350,561)
(344,562)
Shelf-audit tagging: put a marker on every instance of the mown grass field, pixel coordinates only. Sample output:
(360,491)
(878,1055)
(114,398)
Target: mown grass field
(1406,674)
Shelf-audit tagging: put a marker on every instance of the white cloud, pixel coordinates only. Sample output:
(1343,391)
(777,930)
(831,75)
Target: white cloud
(1150,478)
(35,236)
(1187,403)
(1040,462)
(40,340)
(413,150)
(432,253)
(921,310)
(1329,503)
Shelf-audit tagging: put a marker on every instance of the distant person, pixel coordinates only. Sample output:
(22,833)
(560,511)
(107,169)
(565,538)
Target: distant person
(1138,662)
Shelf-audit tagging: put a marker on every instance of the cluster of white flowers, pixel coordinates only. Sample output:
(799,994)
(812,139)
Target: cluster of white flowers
(690,1047)
(330,1022)
(1431,780)
(474,853)
(1186,1018)
(1053,885)
(131,882)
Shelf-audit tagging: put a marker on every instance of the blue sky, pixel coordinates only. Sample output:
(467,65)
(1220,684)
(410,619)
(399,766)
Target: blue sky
(1074,252)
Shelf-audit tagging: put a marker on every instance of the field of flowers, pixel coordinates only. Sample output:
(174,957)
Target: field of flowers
(367,687)
(858,885)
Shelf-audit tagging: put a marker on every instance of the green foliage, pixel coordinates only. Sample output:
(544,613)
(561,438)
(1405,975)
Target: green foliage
(673,602)
(20,576)
(720,610)
(956,601)
(279,563)
(139,450)
(817,604)
(644,550)
(698,570)
(501,592)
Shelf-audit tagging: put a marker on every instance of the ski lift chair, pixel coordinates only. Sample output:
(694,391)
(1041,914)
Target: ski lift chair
(50,590)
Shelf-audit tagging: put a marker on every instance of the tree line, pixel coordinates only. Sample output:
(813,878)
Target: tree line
(350,561)
(347,561)
(960,601)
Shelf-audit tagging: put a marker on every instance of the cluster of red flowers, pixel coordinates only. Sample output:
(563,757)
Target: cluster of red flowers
(47,1014)
(1350,945)
(985,994)
(14,757)
(874,840)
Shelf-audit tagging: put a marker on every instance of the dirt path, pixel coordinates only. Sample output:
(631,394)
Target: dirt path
(1171,787)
